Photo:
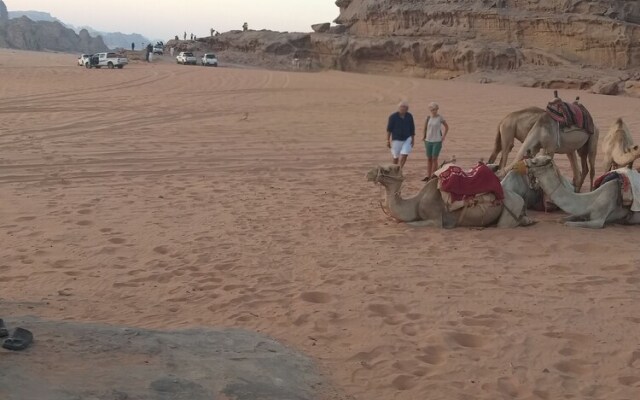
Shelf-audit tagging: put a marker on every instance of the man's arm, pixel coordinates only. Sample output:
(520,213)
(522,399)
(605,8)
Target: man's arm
(413,132)
(389,130)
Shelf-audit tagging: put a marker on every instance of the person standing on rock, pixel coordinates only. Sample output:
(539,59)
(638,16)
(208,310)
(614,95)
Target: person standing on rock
(185,36)
(434,136)
(401,131)
(133,46)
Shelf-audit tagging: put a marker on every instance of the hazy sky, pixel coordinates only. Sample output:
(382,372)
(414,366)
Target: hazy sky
(162,19)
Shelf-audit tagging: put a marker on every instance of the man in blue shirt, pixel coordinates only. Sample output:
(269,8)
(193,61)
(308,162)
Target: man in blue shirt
(401,131)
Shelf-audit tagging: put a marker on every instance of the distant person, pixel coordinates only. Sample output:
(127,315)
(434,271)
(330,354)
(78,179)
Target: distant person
(185,36)
(133,46)
(195,37)
(212,31)
(245,27)
(401,131)
(171,51)
(176,38)
(148,52)
(434,136)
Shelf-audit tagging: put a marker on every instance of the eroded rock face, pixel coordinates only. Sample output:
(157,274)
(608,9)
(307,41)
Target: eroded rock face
(321,28)
(598,33)
(23,33)
(4,14)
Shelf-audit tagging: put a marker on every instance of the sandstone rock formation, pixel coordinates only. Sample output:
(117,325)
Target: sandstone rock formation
(540,43)
(4,14)
(321,28)
(23,33)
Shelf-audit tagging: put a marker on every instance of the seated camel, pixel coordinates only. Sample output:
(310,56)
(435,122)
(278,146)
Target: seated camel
(618,147)
(428,207)
(524,185)
(587,210)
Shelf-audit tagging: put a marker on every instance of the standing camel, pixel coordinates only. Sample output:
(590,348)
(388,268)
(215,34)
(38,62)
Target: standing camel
(547,136)
(515,125)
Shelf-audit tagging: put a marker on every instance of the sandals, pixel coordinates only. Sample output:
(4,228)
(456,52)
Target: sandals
(19,340)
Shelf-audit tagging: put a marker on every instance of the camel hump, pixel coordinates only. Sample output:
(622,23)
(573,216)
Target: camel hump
(619,121)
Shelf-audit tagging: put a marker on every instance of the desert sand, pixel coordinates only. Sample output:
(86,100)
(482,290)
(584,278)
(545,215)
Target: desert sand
(167,197)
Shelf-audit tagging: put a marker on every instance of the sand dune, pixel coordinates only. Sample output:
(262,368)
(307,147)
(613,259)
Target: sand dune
(142,197)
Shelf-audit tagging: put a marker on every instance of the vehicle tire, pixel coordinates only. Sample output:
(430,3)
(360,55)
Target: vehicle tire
(120,66)
(98,66)
(110,65)
(215,65)
(87,65)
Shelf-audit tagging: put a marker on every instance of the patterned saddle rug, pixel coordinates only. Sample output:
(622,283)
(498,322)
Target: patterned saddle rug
(629,180)
(571,114)
(461,188)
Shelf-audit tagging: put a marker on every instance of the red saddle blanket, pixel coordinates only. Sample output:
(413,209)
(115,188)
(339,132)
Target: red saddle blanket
(462,185)
(574,114)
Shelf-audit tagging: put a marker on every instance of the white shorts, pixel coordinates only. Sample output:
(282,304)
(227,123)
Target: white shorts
(398,148)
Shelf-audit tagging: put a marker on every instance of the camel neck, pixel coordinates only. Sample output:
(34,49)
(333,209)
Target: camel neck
(401,209)
(567,200)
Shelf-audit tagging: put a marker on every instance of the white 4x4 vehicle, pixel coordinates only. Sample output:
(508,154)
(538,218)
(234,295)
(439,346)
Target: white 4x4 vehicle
(209,59)
(109,60)
(83,59)
(186,58)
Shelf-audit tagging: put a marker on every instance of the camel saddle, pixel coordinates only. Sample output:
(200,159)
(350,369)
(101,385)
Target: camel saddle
(629,181)
(461,188)
(571,114)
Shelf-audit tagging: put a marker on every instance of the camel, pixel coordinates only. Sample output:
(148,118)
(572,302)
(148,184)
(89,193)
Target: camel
(618,147)
(521,183)
(428,209)
(515,125)
(545,135)
(519,125)
(587,210)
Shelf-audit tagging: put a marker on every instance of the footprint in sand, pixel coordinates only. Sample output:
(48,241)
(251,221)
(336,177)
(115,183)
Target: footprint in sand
(85,211)
(573,367)
(382,310)
(630,380)
(316,297)
(161,250)
(404,382)
(117,240)
(466,340)
(84,223)
(434,355)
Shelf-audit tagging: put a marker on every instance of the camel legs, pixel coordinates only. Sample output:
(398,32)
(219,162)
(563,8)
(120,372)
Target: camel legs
(592,224)
(578,176)
(516,208)
(633,219)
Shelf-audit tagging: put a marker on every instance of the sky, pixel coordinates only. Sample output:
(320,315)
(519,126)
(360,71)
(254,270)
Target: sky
(163,19)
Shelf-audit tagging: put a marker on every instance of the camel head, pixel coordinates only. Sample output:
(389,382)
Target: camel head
(540,161)
(385,174)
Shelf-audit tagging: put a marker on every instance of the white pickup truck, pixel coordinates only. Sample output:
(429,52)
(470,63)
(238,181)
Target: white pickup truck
(186,57)
(109,60)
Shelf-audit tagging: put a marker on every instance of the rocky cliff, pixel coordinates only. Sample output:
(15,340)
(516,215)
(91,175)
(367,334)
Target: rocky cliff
(469,34)
(25,34)
(4,14)
(578,44)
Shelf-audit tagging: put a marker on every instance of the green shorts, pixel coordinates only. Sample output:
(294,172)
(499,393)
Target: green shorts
(433,149)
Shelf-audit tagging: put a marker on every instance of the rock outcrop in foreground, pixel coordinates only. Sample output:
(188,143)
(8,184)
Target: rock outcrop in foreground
(25,34)
(541,43)
(77,361)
